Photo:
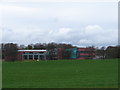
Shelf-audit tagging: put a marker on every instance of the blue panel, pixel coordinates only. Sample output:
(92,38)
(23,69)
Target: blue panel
(73,53)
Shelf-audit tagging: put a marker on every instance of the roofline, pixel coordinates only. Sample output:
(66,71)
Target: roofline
(31,50)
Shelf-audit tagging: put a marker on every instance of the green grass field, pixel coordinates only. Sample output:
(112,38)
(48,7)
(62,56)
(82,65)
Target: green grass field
(61,74)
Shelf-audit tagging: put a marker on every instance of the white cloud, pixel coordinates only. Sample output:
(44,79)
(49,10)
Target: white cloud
(97,35)
(76,23)
(93,29)
(87,13)
(89,35)
(63,32)
(84,42)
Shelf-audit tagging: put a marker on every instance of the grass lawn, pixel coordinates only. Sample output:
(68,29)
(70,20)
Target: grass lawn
(61,74)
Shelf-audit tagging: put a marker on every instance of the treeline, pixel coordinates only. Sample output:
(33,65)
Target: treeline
(107,53)
(46,46)
(9,50)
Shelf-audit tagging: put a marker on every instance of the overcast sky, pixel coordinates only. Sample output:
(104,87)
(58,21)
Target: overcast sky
(77,23)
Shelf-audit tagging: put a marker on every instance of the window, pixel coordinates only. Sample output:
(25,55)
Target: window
(85,51)
(30,56)
(25,56)
(25,52)
(35,56)
(84,56)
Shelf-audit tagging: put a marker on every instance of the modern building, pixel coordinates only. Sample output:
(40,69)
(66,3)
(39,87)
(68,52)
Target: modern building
(72,53)
(60,52)
(52,54)
(56,54)
(85,53)
(31,54)
(81,53)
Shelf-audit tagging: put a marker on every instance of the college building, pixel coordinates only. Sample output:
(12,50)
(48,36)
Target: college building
(31,54)
(81,53)
(56,54)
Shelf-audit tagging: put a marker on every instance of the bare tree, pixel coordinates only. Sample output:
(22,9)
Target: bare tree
(10,51)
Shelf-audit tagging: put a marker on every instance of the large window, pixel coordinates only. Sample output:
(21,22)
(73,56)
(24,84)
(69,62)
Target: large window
(25,56)
(30,56)
(35,56)
(41,57)
(78,54)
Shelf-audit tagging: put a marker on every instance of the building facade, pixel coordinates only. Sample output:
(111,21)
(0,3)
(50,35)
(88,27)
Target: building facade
(85,53)
(81,53)
(31,54)
(56,54)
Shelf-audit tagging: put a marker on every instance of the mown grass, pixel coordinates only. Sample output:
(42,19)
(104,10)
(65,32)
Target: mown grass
(61,74)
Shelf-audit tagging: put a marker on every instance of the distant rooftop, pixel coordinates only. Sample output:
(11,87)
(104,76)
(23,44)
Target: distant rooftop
(31,50)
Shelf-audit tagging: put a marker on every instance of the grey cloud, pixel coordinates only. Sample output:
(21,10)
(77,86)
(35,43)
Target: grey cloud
(89,35)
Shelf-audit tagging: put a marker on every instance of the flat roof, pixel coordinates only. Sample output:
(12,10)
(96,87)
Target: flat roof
(31,50)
